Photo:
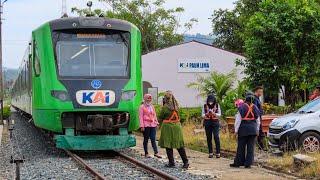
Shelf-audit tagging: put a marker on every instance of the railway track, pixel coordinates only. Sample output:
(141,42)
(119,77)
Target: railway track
(92,162)
(86,166)
(123,158)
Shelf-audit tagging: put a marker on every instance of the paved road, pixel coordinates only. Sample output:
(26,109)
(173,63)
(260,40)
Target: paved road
(216,168)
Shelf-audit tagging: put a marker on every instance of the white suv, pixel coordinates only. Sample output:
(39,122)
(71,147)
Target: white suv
(297,129)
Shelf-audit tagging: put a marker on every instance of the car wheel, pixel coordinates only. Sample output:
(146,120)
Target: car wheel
(310,142)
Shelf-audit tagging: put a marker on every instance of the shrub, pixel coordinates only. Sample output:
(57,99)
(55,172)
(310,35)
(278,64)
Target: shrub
(6,112)
(186,114)
(189,114)
(272,109)
(299,105)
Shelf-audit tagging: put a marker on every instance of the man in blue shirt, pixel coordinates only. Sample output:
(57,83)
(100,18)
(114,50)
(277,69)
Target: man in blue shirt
(258,92)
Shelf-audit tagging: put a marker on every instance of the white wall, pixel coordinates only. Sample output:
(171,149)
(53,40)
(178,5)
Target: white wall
(161,70)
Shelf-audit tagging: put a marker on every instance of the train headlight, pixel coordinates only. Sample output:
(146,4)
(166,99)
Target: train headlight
(61,95)
(128,95)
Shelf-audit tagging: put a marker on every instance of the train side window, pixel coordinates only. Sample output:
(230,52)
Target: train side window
(36,61)
(22,78)
(25,77)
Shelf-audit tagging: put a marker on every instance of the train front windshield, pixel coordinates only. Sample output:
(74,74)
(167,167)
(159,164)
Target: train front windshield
(93,55)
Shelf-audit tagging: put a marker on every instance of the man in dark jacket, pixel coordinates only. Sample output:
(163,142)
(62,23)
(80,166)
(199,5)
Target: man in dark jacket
(247,125)
(258,92)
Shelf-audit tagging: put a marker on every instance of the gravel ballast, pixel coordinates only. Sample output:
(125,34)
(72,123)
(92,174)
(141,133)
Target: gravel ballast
(44,161)
(159,164)
(109,165)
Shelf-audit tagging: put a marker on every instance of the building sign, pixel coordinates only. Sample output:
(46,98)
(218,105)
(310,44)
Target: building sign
(194,66)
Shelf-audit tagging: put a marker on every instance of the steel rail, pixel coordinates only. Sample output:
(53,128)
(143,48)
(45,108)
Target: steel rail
(150,169)
(81,162)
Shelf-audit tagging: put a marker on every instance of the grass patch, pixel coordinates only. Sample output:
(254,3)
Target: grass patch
(286,163)
(198,142)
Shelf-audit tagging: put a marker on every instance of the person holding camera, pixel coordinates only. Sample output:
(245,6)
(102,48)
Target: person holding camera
(211,112)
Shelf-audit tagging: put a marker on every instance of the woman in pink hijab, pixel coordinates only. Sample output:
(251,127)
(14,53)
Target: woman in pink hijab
(148,124)
(238,103)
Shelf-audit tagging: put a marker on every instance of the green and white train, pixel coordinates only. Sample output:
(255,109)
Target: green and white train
(80,79)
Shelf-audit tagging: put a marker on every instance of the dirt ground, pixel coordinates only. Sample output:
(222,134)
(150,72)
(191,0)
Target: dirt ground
(216,168)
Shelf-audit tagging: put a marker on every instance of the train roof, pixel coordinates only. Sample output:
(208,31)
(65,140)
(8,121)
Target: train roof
(90,23)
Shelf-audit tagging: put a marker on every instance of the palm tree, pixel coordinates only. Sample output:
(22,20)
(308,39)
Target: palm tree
(216,83)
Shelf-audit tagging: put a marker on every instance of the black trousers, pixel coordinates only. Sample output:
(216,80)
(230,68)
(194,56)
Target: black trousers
(212,127)
(245,150)
(182,153)
(150,133)
(261,137)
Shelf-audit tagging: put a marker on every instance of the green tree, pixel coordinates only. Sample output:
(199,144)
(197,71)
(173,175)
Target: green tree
(238,93)
(216,83)
(159,26)
(222,86)
(228,25)
(282,46)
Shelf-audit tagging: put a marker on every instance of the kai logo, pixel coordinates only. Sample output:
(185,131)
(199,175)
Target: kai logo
(95,97)
(96,84)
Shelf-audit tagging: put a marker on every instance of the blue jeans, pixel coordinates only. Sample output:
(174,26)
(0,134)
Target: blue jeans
(150,132)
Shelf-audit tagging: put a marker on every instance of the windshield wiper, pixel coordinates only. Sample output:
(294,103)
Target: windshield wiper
(80,52)
(305,112)
(124,39)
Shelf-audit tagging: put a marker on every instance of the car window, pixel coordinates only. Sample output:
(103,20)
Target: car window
(311,107)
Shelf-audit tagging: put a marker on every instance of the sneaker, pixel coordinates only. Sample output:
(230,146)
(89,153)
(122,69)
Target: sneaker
(185,166)
(247,167)
(158,156)
(170,165)
(210,155)
(234,165)
(218,155)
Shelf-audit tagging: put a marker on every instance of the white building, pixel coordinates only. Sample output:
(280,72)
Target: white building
(175,67)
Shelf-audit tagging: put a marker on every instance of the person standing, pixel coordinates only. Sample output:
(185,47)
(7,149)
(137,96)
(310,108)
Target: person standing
(238,103)
(258,92)
(315,94)
(148,125)
(171,131)
(247,124)
(211,113)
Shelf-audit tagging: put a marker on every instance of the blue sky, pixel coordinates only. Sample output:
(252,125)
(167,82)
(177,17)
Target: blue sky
(22,16)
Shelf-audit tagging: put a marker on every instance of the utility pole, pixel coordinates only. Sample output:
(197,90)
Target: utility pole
(64,8)
(89,4)
(1,69)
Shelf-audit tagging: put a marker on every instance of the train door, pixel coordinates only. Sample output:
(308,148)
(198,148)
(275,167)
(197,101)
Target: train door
(29,79)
